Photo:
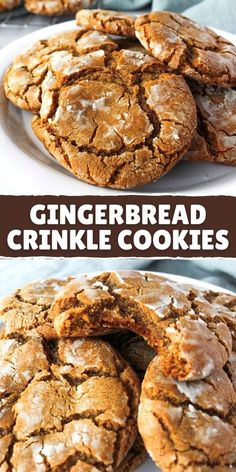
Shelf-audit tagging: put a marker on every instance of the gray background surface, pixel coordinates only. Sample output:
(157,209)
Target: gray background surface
(14,273)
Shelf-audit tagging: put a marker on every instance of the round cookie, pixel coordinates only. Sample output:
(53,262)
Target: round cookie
(230,368)
(188,48)
(111,22)
(26,311)
(132,44)
(9,4)
(135,457)
(198,150)
(118,338)
(67,405)
(189,426)
(133,349)
(57,7)
(226,299)
(121,125)
(225,304)
(215,139)
(190,334)
(138,354)
(48,62)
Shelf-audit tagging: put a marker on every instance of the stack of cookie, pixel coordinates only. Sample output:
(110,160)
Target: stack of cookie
(112,102)
(69,400)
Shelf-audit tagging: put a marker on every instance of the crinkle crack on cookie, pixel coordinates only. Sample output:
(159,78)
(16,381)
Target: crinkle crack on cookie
(49,62)
(189,426)
(215,139)
(57,7)
(122,123)
(225,304)
(188,48)
(26,311)
(133,349)
(111,22)
(9,4)
(67,405)
(190,335)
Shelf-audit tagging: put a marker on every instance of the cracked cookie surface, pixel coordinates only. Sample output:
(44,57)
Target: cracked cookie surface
(123,123)
(225,304)
(189,426)
(191,336)
(188,48)
(107,21)
(26,311)
(66,405)
(215,139)
(57,7)
(44,66)
(9,4)
(133,349)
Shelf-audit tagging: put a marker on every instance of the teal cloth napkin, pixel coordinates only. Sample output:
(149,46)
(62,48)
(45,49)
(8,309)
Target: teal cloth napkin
(215,13)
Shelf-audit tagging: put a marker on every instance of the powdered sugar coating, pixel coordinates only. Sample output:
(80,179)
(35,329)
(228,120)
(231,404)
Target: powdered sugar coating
(49,62)
(188,332)
(57,7)
(188,423)
(114,97)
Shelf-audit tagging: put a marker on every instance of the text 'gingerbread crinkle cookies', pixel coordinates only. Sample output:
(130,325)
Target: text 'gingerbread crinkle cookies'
(189,426)
(67,405)
(215,139)
(190,335)
(25,311)
(49,62)
(188,48)
(121,124)
(111,22)
(57,7)
(9,4)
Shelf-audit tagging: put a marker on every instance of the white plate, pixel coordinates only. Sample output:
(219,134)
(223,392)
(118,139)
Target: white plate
(26,168)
